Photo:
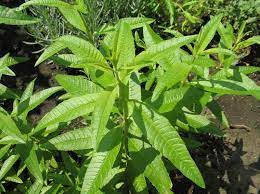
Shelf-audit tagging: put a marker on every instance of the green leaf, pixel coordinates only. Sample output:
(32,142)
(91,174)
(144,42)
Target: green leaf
(80,47)
(123,47)
(101,113)
(191,144)
(201,124)
(74,18)
(101,162)
(77,85)
(14,179)
(4,150)
(171,9)
(206,34)
(69,163)
(137,22)
(216,109)
(77,139)
(28,154)
(7,93)
(8,127)
(15,60)
(54,48)
(247,69)
(66,60)
(81,6)
(13,17)
(150,37)
(7,165)
(227,36)
(4,70)
(174,100)
(219,51)
(68,110)
(240,33)
(229,87)
(176,73)
(52,189)
(28,91)
(157,51)
(134,88)
(147,161)
(35,100)
(164,138)
(35,188)
(139,184)
(9,140)
(249,42)
(49,3)
(193,19)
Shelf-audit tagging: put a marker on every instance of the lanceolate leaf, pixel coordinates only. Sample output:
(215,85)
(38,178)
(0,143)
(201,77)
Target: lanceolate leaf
(227,36)
(50,51)
(124,48)
(155,52)
(101,113)
(35,100)
(13,17)
(201,124)
(137,22)
(7,165)
(8,126)
(134,88)
(148,162)
(7,93)
(74,18)
(171,9)
(219,51)
(207,33)
(4,150)
(77,85)
(68,110)
(150,37)
(77,139)
(35,188)
(4,70)
(28,154)
(139,183)
(176,73)
(80,47)
(249,42)
(28,91)
(247,69)
(167,141)
(14,178)
(9,140)
(229,87)
(50,3)
(101,162)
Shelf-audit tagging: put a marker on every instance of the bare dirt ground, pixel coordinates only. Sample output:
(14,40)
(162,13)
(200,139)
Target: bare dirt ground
(243,172)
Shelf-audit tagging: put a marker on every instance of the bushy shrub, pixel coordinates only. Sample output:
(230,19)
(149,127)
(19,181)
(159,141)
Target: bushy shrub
(139,102)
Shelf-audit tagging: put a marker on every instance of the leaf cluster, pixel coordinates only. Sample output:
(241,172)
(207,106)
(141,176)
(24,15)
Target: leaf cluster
(136,109)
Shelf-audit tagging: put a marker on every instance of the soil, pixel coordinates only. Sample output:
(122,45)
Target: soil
(230,165)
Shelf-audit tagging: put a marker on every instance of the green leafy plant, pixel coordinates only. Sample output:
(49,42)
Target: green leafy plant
(5,63)
(99,15)
(18,149)
(188,15)
(119,128)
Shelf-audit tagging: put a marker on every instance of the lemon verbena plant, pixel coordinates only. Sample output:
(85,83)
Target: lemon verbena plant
(133,105)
